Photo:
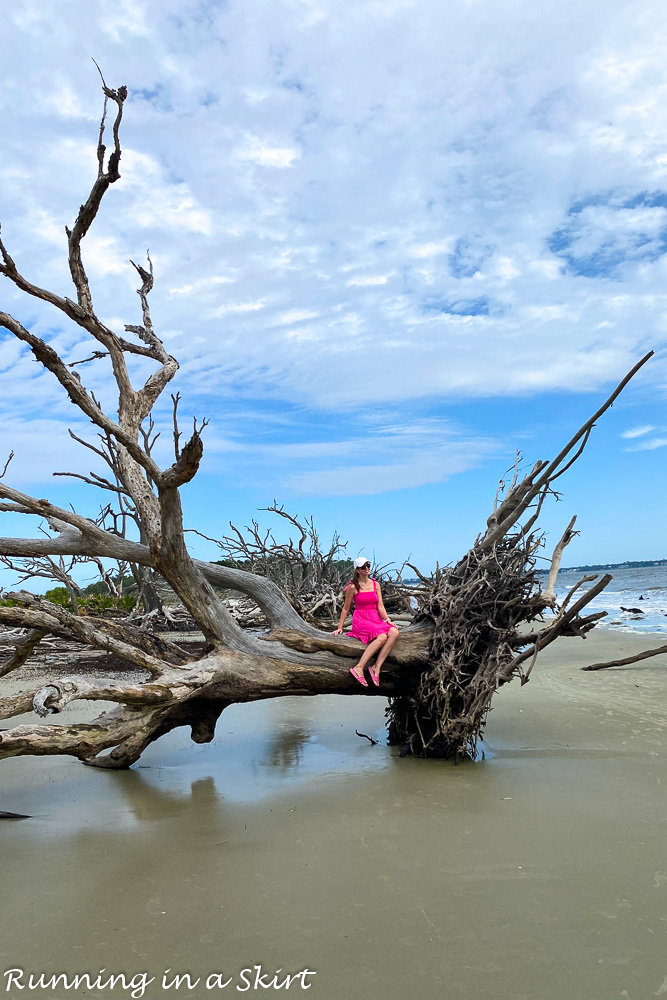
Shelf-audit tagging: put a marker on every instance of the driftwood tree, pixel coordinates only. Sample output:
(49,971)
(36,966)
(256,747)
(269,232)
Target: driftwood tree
(443,671)
(311,573)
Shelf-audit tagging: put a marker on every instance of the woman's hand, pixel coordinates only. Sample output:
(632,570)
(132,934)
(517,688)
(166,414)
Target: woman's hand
(338,631)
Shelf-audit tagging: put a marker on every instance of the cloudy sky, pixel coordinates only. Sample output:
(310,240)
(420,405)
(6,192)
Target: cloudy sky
(394,240)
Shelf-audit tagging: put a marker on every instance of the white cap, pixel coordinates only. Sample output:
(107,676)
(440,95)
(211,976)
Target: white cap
(360,561)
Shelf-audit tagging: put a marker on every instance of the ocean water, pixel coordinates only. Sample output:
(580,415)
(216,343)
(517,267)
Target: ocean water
(643,589)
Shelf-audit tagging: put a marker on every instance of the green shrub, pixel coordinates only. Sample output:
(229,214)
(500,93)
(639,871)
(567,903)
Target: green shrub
(96,604)
(92,604)
(124,585)
(59,595)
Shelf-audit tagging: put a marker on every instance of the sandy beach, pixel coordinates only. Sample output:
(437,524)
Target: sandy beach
(290,843)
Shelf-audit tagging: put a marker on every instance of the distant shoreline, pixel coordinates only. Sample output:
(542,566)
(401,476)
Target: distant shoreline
(639,564)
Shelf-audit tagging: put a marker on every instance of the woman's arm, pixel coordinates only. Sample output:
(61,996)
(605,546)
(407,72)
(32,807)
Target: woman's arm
(381,608)
(349,594)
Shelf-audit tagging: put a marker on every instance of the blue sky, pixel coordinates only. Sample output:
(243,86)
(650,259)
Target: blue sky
(393,242)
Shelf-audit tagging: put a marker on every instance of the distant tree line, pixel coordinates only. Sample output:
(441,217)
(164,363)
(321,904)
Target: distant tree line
(635,564)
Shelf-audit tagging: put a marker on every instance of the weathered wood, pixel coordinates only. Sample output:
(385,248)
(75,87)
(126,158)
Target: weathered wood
(627,659)
(24,647)
(565,539)
(412,649)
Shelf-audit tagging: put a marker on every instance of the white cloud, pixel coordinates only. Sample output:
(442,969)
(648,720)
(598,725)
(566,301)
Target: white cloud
(505,267)
(432,249)
(202,285)
(635,432)
(382,456)
(127,17)
(297,316)
(549,269)
(351,479)
(42,446)
(651,445)
(104,257)
(259,151)
(352,204)
(369,280)
(239,307)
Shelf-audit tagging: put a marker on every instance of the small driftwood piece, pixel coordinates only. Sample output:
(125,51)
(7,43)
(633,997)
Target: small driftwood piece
(645,655)
(365,736)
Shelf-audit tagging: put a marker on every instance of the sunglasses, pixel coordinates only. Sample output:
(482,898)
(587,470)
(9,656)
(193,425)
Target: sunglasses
(365,566)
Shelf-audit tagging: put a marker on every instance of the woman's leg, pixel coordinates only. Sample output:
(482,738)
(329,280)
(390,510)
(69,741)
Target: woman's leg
(391,638)
(371,650)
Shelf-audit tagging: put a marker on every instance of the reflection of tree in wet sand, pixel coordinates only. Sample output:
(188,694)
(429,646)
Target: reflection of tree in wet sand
(132,867)
(148,802)
(286,746)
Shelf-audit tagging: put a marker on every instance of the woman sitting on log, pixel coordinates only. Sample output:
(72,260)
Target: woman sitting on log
(370,622)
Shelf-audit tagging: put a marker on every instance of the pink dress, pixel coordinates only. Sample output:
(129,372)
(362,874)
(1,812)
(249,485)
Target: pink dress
(366,622)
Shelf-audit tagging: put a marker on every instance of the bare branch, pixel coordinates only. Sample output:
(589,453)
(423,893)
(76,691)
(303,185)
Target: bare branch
(95,356)
(176,398)
(6,466)
(627,659)
(557,628)
(24,648)
(575,588)
(185,467)
(94,480)
(71,382)
(524,493)
(566,538)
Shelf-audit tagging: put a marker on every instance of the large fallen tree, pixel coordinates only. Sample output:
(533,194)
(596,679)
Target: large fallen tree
(468,638)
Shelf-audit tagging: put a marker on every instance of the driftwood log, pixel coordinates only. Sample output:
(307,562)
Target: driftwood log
(467,639)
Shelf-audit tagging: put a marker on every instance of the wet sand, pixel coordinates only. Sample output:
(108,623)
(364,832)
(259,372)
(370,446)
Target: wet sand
(291,843)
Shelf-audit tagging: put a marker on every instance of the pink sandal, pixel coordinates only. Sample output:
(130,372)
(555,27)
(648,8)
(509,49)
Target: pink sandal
(374,677)
(362,679)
